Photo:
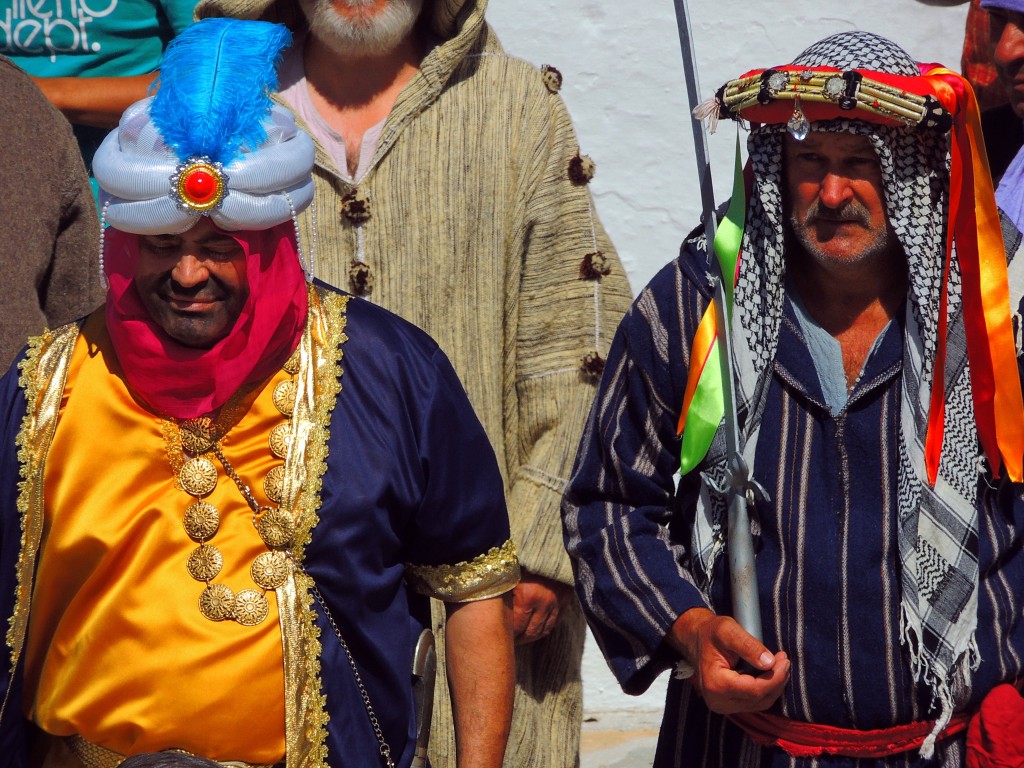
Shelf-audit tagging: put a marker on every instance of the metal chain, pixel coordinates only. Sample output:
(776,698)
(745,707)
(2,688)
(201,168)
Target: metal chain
(249,498)
(385,750)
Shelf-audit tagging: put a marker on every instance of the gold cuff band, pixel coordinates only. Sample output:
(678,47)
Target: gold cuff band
(488,575)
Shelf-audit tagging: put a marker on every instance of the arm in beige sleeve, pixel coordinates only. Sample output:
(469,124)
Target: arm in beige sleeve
(572,295)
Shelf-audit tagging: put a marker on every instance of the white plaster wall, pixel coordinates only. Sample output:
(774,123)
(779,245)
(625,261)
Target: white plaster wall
(624,87)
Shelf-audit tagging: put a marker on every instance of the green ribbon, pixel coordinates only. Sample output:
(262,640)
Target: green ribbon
(707,407)
(729,237)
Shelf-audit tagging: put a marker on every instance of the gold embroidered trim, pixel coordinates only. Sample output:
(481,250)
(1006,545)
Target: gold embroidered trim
(328,331)
(43,373)
(172,448)
(23,442)
(318,387)
(488,575)
(311,730)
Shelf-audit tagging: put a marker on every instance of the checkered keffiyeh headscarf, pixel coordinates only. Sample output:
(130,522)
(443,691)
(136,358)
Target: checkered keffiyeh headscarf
(938,541)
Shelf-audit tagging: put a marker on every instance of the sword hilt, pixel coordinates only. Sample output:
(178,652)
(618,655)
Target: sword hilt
(424,673)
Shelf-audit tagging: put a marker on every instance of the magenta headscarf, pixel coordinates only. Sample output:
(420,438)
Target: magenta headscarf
(184,382)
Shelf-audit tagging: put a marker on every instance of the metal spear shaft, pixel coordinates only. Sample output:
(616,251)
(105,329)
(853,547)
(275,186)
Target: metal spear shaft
(742,573)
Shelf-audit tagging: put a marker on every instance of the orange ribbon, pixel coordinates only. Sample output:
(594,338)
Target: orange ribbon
(974,226)
(703,345)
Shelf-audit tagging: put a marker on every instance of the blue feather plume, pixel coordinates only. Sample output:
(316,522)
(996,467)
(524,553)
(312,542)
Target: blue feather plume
(215,84)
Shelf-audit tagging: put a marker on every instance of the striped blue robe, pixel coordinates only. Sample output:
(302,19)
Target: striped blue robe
(827,557)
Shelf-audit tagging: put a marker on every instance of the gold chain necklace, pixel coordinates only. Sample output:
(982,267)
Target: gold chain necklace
(197,475)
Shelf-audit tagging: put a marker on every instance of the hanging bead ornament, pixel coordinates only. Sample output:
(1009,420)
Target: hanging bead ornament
(251,607)
(291,365)
(276,527)
(198,476)
(199,184)
(798,126)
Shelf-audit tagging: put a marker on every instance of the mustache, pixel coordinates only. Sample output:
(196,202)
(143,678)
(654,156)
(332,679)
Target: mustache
(853,211)
(205,291)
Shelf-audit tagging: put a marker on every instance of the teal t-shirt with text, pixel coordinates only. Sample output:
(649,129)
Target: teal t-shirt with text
(90,38)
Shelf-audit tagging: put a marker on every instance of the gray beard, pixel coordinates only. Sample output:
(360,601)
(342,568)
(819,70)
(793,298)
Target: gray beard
(884,241)
(369,36)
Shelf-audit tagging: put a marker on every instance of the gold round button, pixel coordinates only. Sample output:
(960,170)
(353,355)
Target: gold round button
(280,437)
(276,528)
(201,521)
(205,562)
(284,397)
(269,570)
(273,484)
(217,602)
(251,607)
(197,436)
(198,476)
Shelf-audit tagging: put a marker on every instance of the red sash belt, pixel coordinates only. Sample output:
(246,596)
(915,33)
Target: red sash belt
(801,739)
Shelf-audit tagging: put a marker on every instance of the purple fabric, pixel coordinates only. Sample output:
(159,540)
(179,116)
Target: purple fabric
(1010,192)
(1007,5)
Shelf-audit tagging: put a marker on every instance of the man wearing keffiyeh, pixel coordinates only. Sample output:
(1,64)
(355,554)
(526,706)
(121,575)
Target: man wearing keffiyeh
(888,544)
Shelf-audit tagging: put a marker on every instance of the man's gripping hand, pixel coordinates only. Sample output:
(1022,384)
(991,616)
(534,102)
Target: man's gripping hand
(537,606)
(713,645)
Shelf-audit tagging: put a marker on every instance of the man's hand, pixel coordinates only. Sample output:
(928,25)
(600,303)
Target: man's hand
(537,605)
(481,676)
(713,645)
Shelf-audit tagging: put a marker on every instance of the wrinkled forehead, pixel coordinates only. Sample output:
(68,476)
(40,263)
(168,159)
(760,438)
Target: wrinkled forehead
(770,139)
(205,229)
(843,143)
(904,155)
(205,234)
